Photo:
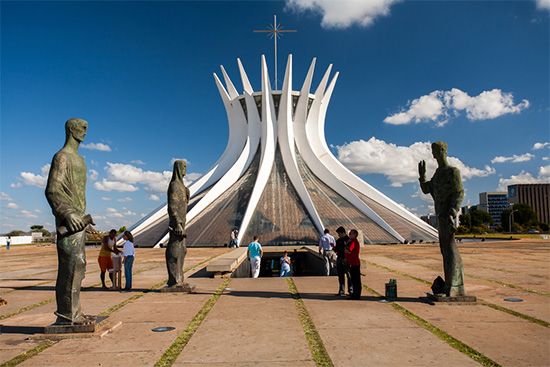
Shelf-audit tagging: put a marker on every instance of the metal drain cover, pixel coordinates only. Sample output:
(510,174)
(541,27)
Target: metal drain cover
(162,329)
(513,299)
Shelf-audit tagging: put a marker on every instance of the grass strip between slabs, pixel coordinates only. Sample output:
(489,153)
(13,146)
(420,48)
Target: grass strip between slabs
(314,341)
(28,354)
(173,352)
(504,284)
(451,341)
(480,301)
(48,343)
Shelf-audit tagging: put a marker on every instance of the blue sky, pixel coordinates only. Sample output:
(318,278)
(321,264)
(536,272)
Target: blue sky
(474,74)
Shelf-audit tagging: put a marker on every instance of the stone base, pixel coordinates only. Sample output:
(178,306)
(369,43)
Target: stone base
(87,327)
(182,288)
(444,298)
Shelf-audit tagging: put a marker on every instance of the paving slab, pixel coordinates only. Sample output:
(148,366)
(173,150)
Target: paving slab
(134,343)
(254,322)
(506,339)
(368,332)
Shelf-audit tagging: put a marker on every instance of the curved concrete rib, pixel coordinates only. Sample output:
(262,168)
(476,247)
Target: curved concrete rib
(286,144)
(268,142)
(315,133)
(237,169)
(302,124)
(244,78)
(235,145)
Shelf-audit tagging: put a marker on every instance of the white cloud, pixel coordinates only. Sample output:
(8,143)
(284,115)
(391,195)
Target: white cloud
(138,162)
(112,212)
(525,178)
(96,146)
(544,172)
(398,163)
(154,197)
(513,159)
(543,4)
(93,174)
(33,179)
(16,185)
(344,13)
(439,106)
(546,158)
(4,196)
(125,199)
(106,185)
(152,180)
(12,206)
(538,146)
(28,214)
(105,198)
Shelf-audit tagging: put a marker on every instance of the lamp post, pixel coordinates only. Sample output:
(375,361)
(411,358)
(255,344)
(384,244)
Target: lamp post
(511,217)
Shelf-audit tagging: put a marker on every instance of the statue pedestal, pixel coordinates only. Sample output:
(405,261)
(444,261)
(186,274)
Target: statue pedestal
(449,299)
(182,288)
(87,327)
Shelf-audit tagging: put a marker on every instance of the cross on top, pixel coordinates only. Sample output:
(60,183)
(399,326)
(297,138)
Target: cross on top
(275,31)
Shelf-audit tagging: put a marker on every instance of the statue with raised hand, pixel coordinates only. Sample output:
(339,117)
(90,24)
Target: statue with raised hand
(178,197)
(66,194)
(447,192)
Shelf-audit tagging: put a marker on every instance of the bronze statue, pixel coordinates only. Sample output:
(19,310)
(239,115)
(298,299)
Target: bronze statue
(66,194)
(178,197)
(447,192)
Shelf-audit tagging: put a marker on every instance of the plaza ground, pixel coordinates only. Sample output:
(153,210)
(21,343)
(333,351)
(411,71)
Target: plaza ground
(289,322)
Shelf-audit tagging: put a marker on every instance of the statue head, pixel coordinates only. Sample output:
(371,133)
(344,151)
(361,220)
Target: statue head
(439,150)
(76,128)
(180,168)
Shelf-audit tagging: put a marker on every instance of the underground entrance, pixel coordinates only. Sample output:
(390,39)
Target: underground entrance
(305,261)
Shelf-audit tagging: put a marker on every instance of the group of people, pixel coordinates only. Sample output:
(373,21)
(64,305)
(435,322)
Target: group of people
(343,251)
(109,252)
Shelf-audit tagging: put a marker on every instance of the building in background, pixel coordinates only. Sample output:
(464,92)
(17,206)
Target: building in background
(431,219)
(493,203)
(537,196)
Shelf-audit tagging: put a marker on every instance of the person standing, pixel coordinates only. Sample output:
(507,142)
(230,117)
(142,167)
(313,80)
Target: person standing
(255,254)
(285,265)
(128,252)
(326,248)
(8,243)
(234,240)
(352,258)
(108,246)
(342,267)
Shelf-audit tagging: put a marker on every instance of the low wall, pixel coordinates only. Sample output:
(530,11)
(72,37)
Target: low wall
(16,240)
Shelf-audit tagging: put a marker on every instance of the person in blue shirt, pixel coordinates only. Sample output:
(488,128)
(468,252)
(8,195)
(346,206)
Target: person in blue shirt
(255,254)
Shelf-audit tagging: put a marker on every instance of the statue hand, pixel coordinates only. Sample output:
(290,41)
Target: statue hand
(75,223)
(422,169)
(178,231)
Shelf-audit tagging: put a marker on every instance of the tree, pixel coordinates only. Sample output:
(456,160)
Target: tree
(465,220)
(16,232)
(523,216)
(480,218)
(121,229)
(36,227)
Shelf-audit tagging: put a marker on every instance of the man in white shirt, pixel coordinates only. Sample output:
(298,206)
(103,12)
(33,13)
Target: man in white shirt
(326,248)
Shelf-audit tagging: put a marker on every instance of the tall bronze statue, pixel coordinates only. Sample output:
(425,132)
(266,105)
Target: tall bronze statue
(178,197)
(447,192)
(66,194)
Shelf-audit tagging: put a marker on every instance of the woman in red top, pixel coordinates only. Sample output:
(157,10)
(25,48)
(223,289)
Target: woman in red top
(352,258)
